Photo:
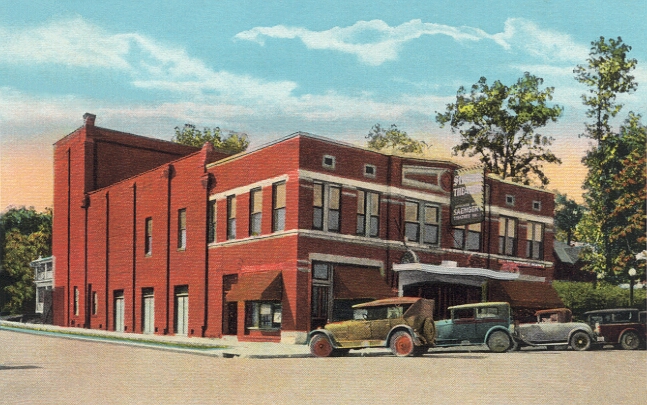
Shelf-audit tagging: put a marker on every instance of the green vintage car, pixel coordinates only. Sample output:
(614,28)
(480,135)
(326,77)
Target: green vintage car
(403,324)
(475,324)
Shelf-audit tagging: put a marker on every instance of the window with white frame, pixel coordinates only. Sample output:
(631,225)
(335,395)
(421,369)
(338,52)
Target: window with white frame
(326,207)
(263,315)
(328,162)
(76,301)
(278,207)
(212,221)
(368,213)
(421,222)
(255,211)
(148,238)
(507,236)
(370,170)
(95,303)
(468,237)
(231,217)
(181,228)
(535,241)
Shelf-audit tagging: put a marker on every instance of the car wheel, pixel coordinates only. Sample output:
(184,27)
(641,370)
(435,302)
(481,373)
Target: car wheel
(402,344)
(320,346)
(580,341)
(630,340)
(498,341)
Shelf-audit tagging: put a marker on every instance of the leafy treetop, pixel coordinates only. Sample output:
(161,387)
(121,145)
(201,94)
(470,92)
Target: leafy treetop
(498,123)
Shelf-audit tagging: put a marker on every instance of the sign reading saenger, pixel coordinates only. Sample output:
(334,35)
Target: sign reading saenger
(467,196)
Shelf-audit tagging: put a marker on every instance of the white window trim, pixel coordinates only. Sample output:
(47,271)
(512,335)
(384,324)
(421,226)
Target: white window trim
(327,166)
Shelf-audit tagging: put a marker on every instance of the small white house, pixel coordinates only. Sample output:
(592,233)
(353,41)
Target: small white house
(43,278)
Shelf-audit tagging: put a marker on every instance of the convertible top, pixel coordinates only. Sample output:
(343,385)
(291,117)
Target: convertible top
(389,301)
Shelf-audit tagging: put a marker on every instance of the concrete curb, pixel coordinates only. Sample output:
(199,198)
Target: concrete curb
(225,348)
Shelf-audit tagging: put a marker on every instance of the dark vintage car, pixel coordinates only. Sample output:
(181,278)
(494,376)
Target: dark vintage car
(403,324)
(554,328)
(621,327)
(475,324)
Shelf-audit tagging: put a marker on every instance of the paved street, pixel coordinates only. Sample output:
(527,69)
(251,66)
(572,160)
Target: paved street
(47,370)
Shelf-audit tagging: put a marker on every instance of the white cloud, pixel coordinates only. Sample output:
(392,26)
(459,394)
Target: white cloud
(373,42)
(546,44)
(71,42)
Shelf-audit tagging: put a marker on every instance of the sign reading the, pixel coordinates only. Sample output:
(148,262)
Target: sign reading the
(467,196)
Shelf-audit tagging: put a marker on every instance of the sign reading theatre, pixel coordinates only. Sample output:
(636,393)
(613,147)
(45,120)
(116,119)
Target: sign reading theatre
(467,196)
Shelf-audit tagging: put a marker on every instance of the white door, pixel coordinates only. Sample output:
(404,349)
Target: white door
(182,312)
(148,320)
(119,312)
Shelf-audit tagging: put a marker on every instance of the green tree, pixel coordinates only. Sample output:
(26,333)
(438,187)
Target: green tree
(498,124)
(25,234)
(568,214)
(394,139)
(607,74)
(232,142)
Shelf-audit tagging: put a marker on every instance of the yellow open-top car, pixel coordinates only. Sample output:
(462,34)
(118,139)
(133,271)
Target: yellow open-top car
(403,324)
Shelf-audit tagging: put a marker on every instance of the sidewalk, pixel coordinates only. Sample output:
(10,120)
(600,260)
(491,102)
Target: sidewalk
(226,348)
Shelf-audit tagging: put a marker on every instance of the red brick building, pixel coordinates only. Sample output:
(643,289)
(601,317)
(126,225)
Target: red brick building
(155,237)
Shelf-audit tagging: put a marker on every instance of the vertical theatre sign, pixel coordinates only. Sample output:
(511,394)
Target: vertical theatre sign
(467,202)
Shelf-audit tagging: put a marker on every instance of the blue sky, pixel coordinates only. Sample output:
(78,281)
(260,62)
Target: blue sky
(273,68)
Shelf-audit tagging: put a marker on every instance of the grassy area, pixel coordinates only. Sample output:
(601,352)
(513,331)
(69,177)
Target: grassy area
(185,345)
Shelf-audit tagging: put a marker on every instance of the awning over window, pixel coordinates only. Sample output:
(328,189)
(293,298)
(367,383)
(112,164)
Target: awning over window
(525,294)
(358,282)
(261,286)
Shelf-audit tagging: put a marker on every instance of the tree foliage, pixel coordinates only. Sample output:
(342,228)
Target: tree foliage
(394,139)
(25,234)
(615,182)
(498,124)
(568,214)
(582,297)
(607,75)
(232,142)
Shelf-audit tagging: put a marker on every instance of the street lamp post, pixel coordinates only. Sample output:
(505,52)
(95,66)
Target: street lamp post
(632,274)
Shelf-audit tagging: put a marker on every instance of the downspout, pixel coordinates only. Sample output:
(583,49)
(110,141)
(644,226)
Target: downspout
(85,205)
(134,245)
(168,173)
(107,297)
(207,183)
(69,227)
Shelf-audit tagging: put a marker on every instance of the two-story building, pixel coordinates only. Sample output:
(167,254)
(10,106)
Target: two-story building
(155,237)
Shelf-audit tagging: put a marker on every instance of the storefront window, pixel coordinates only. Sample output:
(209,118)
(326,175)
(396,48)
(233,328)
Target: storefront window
(263,315)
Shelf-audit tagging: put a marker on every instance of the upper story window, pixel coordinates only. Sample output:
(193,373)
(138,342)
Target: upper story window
(326,207)
(536,205)
(507,236)
(148,238)
(278,207)
(255,211)
(370,170)
(535,241)
(468,237)
(328,162)
(181,229)
(421,222)
(368,213)
(231,217)
(212,221)
(509,200)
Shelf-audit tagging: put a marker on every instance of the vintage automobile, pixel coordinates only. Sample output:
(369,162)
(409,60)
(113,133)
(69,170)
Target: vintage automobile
(621,327)
(554,329)
(474,324)
(403,324)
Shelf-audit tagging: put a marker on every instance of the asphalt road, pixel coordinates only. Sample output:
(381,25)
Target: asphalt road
(46,370)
